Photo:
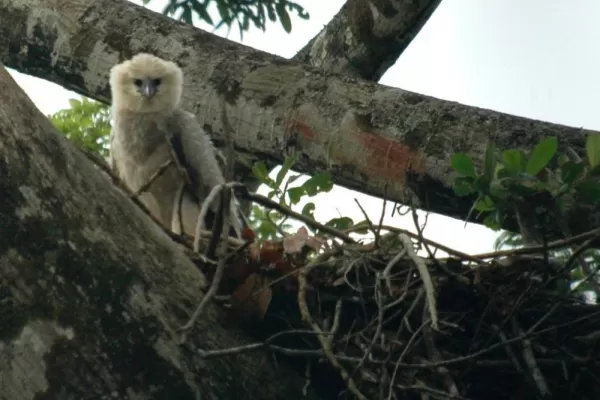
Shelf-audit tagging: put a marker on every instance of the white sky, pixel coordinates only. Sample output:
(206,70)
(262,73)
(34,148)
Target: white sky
(538,59)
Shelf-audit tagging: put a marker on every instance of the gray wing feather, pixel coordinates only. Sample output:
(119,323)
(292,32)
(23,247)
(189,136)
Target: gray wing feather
(201,157)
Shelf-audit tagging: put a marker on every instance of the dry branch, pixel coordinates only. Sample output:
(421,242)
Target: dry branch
(370,136)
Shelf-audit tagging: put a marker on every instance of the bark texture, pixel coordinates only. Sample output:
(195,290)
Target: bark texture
(366,37)
(376,139)
(92,290)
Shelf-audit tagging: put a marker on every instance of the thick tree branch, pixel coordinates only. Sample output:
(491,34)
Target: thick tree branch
(366,37)
(370,136)
(92,290)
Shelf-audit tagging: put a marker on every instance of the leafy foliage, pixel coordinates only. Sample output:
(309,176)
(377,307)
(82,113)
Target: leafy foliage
(512,175)
(242,12)
(86,123)
(271,224)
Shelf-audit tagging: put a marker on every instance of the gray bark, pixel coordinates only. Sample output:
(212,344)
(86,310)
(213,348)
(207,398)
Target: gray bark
(375,139)
(366,37)
(92,290)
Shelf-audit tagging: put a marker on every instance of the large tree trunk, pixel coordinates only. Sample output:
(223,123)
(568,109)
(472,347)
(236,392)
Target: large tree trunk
(375,139)
(92,290)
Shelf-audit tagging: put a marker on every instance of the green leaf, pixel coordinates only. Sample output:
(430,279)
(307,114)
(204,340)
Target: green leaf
(74,103)
(342,223)
(542,154)
(493,221)
(271,12)
(293,178)
(295,194)
(594,172)
(463,164)
(592,147)
(284,17)
(463,186)
(308,210)
(285,168)
(523,189)
(223,11)
(498,191)
(485,204)
(259,169)
(186,14)
(319,183)
(201,11)
(585,287)
(472,209)
(481,184)
(86,123)
(577,274)
(570,171)
(489,163)
(361,227)
(589,190)
(513,160)
(561,159)
(267,229)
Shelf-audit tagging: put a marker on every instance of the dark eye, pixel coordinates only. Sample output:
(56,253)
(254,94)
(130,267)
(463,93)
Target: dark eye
(156,81)
(137,82)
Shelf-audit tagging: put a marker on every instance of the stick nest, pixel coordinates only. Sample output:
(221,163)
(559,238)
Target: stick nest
(360,319)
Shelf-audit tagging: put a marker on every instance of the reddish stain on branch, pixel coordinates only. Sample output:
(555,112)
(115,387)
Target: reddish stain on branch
(304,130)
(370,153)
(388,158)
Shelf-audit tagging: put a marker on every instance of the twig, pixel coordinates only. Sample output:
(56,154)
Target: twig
(217,228)
(452,252)
(205,299)
(371,227)
(383,207)
(214,286)
(264,201)
(307,376)
(202,215)
(425,277)
(509,352)
(266,344)
(529,358)
(399,364)
(577,252)
(176,220)
(154,176)
(325,342)
(434,354)
(220,228)
(538,249)
(380,312)
(404,352)
(100,163)
(229,170)
(386,274)
(428,250)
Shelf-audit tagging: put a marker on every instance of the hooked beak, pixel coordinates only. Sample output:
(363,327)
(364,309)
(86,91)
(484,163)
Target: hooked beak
(148,88)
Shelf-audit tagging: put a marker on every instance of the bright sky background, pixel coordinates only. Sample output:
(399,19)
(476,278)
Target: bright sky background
(538,59)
